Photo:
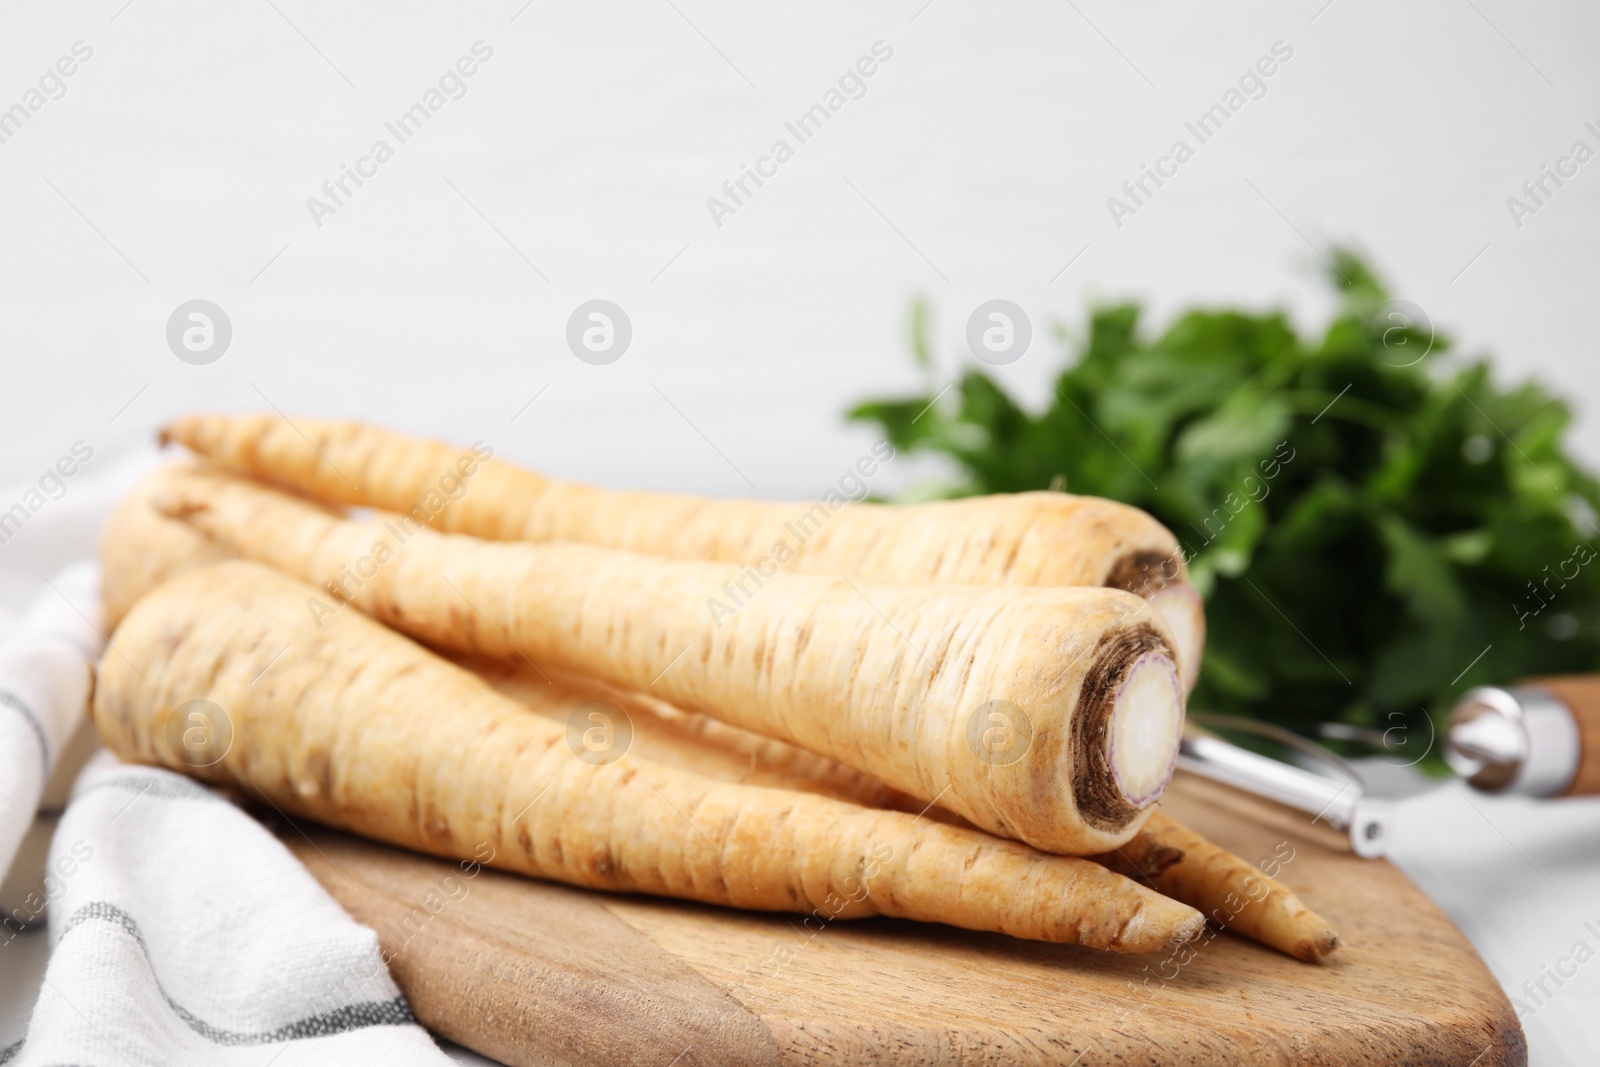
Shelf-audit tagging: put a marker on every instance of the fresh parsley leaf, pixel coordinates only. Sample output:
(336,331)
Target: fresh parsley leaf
(1365,512)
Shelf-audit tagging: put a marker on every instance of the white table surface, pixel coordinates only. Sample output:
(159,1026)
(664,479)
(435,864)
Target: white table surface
(179,161)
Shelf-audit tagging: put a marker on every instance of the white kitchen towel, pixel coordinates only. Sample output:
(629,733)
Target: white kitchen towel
(46,670)
(185,933)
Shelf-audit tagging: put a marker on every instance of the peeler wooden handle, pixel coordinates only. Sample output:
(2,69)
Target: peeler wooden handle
(1580,695)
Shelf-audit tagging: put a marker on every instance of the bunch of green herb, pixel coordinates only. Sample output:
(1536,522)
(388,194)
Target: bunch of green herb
(1374,524)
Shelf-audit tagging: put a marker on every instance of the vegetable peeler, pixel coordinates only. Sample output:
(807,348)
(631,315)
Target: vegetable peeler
(1539,738)
(1342,802)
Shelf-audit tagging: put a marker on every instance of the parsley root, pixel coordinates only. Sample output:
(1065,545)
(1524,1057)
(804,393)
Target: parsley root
(141,548)
(1235,894)
(1049,715)
(356,726)
(1025,539)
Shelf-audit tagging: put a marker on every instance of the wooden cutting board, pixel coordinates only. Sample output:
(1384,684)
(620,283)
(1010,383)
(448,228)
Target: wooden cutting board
(532,973)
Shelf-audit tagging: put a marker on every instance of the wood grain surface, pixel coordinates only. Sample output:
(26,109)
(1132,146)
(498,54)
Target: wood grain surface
(534,973)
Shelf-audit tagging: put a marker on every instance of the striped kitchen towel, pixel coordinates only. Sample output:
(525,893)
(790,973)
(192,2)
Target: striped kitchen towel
(45,671)
(185,933)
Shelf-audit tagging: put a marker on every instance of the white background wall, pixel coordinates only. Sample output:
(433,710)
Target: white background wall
(179,161)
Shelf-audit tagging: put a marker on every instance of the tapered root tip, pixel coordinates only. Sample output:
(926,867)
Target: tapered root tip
(182,430)
(1165,932)
(1189,930)
(1146,728)
(1159,925)
(1314,948)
